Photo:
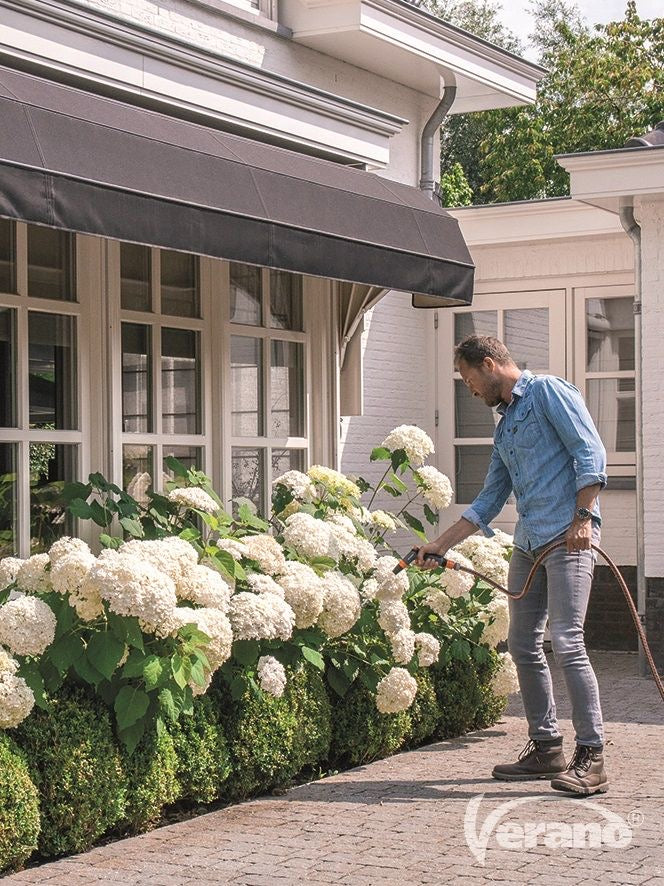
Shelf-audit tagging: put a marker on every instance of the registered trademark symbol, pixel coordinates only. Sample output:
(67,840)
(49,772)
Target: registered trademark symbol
(635,818)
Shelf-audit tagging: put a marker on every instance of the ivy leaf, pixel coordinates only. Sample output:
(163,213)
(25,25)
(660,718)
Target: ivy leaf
(314,657)
(131,704)
(104,652)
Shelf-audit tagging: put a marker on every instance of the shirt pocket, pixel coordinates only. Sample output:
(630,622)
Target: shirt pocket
(526,430)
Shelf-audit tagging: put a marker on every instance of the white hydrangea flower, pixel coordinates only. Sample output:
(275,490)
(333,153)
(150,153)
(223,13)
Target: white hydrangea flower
(437,487)
(267,552)
(33,577)
(454,582)
(27,626)
(383,520)
(215,624)
(195,498)
(341,605)
(351,545)
(390,586)
(428,649)
(271,675)
(298,484)
(310,537)
(503,538)
(505,681)
(233,546)
(417,444)
(393,616)
(16,700)
(496,631)
(369,589)
(303,592)
(264,584)
(65,546)
(338,484)
(172,556)
(487,557)
(403,646)
(134,587)
(7,663)
(437,600)
(396,691)
(87,602)
(9,567)
(362,515)
(69,570)
(260,617)
(205,587)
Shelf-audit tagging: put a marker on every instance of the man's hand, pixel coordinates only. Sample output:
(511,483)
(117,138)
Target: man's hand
(579,536)
(423,561)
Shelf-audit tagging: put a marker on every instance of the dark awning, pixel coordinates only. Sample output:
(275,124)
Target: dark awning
(87,163)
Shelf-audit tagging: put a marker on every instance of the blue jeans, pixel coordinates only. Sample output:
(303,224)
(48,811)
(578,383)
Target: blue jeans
(560,589)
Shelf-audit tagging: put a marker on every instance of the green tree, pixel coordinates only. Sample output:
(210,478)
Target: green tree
(454,187)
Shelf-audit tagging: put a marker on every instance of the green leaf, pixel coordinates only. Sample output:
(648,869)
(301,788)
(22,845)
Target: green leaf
(380,454)
(198,674)
(432,516)
(180,668)
(480,654)
(178,469)
(134,665)
(131,704)
(460,649)
(79,508)
(131,736)
(238,687)
(337,681)
(134,634)
(65,652)
(415,525)
(398,458)
(370,679)
(99,515)
(104,652)
(167,705)
(70,491)
(36,682)
(398,483)
(99,482)
(133,527)
(246,652)
(152,671)
(314,657)
(110,541)
(392,491)
(86,672)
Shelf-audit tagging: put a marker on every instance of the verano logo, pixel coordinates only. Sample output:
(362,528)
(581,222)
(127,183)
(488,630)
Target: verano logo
(611,831)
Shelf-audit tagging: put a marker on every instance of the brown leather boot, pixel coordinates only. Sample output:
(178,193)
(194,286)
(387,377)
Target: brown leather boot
(539,759)
(585,773)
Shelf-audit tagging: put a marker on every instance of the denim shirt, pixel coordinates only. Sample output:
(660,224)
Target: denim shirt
(545,448)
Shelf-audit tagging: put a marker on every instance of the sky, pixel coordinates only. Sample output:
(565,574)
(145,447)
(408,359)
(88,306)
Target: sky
(516,17)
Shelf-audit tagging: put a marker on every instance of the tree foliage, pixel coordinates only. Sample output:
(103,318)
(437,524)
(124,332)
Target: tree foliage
(604,84)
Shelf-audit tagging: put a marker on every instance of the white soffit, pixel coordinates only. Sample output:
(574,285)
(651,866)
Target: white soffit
(401,42)
(556,218)
(608,178)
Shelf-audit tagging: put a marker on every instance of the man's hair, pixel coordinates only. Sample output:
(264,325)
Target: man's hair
(473,349)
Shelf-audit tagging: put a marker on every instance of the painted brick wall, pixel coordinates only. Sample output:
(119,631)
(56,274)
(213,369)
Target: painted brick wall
(651,218)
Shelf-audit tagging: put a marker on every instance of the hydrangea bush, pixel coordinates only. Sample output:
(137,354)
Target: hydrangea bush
(189,592)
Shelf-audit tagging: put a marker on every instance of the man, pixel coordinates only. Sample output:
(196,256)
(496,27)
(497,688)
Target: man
(547,452)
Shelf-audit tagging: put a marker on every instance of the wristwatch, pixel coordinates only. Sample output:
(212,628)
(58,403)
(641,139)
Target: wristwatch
(583,514)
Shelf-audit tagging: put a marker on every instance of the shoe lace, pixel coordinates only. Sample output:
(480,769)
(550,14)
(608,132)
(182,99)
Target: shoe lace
(583,757)
(530,748)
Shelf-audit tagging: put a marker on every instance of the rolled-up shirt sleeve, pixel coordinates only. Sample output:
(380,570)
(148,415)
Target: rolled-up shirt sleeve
(494,494)
(562,405)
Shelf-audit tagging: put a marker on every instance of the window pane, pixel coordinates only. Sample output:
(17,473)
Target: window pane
(7,256)
(527,337)
(472,463)
(285,300)
(135,277)
(473,418)
(136,378)
(287,389)
(247,475)
(247,386)
(179,284)
(50,264)
(287,460)
(611,404)
(246,288)
(51,466)
(180,382)
(137,471)
(52,370)
(610,324)
(189,456)
(8,515)
(475,323)
(7,368)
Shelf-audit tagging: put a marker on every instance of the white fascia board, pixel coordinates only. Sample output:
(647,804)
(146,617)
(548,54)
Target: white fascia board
(95,49)
(395,35)
(558,218)
(610,178)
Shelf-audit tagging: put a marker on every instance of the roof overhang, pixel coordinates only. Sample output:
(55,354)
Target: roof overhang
(82,162)
(400,41)
(610,178)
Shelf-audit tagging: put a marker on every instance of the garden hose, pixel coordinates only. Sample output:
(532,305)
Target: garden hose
(452,564)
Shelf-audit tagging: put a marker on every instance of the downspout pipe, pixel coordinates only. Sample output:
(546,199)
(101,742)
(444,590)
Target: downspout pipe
(431,127)
(633,230)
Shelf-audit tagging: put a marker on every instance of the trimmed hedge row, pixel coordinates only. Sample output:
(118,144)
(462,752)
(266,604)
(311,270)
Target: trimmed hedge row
(65,782)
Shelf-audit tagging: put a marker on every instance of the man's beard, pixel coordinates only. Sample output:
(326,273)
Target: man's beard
(493,396)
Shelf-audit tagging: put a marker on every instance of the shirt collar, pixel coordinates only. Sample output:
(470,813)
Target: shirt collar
(518,390)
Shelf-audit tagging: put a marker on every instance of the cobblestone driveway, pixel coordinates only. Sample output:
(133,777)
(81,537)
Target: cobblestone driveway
(401,820)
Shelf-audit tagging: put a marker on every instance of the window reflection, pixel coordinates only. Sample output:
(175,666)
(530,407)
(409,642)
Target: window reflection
(247,386)
(180,382)
(136,378)
(287,389)
(246,292)
(51,466)
(50,264)
(179,284)
(135,277)
(610,341)
(8,515)
(52,371)
(137,471)
(247,473)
